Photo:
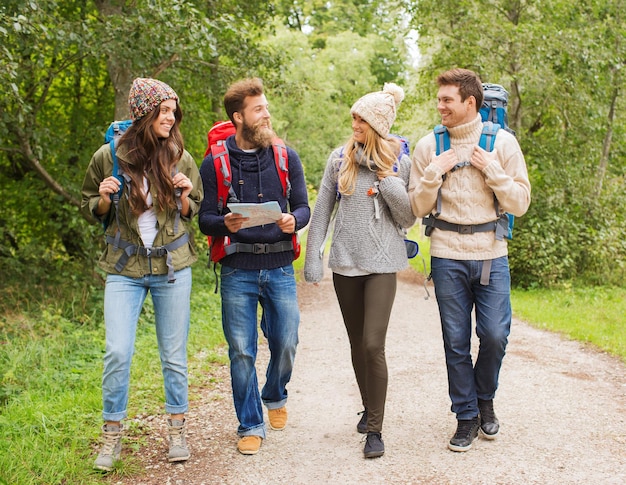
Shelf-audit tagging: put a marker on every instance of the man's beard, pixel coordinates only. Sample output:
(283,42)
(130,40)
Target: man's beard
(259,134)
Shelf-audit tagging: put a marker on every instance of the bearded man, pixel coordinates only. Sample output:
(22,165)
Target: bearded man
(258,267)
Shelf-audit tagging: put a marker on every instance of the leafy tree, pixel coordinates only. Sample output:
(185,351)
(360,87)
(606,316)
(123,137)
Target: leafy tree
(311,109)
(562,63)
(65,70)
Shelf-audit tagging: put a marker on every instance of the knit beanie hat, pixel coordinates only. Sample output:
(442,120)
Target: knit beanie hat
(379,108)
(146,94)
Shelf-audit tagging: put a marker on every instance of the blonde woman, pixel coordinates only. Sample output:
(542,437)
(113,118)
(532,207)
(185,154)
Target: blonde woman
(367,179)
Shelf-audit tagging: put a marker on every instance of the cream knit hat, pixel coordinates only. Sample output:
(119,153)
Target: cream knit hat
(379,108)
(146,94)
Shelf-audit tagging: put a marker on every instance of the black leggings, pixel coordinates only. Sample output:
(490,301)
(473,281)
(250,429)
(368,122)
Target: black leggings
(366,303)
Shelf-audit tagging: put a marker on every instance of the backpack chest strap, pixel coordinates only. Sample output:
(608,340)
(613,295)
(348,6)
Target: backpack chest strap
(148,252)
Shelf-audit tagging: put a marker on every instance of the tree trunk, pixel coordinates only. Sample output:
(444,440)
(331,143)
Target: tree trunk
(121,77)
(606,145)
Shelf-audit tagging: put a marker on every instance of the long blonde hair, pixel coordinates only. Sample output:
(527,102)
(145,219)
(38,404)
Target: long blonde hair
(382,152)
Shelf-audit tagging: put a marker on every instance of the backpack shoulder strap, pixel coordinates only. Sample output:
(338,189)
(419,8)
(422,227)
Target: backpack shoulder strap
(282,165)
(221,162)
(115,198)
(115,172)
(442,137)
(488,136)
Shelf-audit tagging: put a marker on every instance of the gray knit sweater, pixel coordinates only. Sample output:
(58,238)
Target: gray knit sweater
(363,241)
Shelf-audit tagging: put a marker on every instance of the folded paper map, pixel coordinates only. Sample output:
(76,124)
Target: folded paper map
(257,214)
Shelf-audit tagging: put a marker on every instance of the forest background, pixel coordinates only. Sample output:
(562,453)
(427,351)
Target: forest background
(66,67)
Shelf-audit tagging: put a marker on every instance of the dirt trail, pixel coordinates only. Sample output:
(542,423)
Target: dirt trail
(562,409)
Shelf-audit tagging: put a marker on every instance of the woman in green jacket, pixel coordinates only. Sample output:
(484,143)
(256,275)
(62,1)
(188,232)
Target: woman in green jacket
(149,249)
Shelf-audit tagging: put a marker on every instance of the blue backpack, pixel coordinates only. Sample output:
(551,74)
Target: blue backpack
(494,115)
(114,132)
(112,135)
(494,108)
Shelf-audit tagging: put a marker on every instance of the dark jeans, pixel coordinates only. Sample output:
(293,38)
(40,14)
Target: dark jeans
(458,291)
(366,303)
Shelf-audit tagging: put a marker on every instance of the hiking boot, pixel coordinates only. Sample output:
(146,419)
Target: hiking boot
(179,451)
(489,424)
(278,418)
(111,447)
(466,433)
(249,445)
(374,446)
(361,426)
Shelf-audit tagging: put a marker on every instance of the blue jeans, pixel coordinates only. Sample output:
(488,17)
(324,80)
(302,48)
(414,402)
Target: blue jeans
(242,291)
(123,299)
(458,291)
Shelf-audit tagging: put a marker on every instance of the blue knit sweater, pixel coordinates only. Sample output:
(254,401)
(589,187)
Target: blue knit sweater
(255,180)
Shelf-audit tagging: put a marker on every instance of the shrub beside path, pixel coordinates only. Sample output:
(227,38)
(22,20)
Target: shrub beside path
(562,408)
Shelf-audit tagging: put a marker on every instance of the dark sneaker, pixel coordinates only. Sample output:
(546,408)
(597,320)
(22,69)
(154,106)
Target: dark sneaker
(489,424)
(111,447)
(374,446)
(179,451)
(361,426)
(466,433)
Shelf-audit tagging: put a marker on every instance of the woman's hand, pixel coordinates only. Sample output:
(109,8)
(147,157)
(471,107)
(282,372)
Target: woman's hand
(107,187)
(181,181)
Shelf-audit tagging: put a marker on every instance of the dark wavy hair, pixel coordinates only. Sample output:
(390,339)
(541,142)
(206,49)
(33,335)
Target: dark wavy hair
(149,154)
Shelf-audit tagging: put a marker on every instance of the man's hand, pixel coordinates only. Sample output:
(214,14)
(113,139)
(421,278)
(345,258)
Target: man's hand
(481,158)
(287,223)
(446,161)
(233,221)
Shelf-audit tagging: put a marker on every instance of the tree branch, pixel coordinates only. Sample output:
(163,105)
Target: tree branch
(33,163)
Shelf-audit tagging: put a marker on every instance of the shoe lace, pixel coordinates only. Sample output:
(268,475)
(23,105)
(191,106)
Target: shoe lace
(110,439)
(177,436)
(464,428)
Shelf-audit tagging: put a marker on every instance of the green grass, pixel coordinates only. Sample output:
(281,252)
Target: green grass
(51,365)
(50,376)
(592,315)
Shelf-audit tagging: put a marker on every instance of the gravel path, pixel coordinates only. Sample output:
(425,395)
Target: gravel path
(562,409)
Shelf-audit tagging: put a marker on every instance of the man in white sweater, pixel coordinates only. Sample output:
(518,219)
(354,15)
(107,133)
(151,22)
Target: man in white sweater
(463,191)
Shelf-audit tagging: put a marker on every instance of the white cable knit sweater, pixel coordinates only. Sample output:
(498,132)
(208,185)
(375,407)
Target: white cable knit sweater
(361,242)
(468,193)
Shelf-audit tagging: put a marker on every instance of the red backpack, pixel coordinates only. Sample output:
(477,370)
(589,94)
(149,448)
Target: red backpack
(217,148)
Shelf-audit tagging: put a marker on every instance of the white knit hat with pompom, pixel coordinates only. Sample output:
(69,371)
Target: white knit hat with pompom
(379,108)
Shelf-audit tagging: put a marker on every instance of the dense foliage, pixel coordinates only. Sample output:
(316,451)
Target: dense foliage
(563,64)
(66,67)
(65,71)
